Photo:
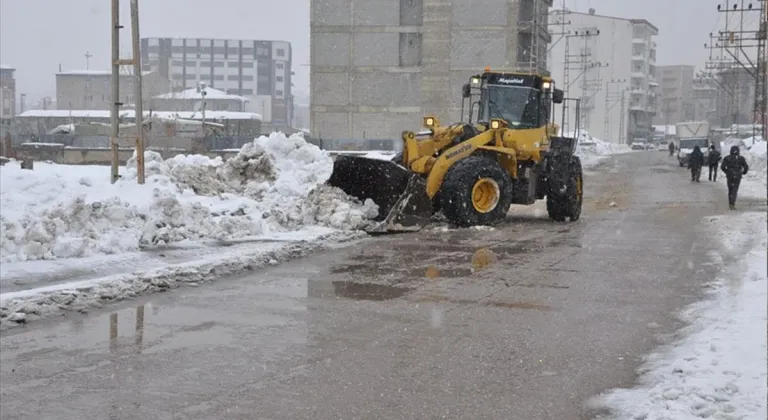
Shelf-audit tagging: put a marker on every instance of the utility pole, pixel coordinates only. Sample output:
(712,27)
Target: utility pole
(623,111)
(576,62)
(611,99)
(117,62)
(139,107)
(114,143)
(88,60)
(562,23)
(732,41)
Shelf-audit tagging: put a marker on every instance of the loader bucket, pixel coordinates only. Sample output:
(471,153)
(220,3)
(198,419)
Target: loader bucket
(399,193)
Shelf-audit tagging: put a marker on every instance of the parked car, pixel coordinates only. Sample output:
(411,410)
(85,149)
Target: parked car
(637,146)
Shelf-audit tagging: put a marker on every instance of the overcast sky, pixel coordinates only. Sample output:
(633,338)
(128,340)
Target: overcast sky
(38,35)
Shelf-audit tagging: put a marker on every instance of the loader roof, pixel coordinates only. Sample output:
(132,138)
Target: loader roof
(515,79)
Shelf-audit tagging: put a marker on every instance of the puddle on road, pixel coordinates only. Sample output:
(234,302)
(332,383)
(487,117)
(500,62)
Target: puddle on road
(494,303)
(368,291)
(433,272)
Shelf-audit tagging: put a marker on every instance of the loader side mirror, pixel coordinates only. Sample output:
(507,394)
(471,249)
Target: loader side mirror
(558,96)
(466,91)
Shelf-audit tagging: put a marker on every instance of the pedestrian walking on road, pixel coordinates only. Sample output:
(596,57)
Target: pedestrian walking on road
(714,160)
(695,162)
(671,148)
(734,166)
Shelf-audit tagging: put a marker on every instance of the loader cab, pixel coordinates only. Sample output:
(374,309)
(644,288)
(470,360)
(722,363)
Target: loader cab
(524,101)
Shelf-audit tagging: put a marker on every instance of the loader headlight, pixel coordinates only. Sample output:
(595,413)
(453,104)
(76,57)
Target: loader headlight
(475,80)
(546,85)
(430,122)
(496,124)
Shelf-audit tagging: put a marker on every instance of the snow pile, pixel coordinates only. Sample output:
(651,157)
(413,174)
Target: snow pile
(63,211)
(757,159)
(592,150)
(718,369)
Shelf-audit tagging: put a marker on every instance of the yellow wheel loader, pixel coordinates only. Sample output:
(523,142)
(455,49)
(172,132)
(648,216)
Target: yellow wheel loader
(473,171)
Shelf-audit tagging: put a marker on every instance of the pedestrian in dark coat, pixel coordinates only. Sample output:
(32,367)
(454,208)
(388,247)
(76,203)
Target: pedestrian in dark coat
(695,162)
(713,160)
(734,166)
(671,148)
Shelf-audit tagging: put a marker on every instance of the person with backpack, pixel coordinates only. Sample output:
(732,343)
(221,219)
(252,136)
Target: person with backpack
(714,160)
(734,166)
(695,162)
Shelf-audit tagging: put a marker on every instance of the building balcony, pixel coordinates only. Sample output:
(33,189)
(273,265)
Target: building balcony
(639,41)
(639,75)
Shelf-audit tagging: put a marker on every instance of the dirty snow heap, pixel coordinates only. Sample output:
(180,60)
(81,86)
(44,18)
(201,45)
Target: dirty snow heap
(274,184)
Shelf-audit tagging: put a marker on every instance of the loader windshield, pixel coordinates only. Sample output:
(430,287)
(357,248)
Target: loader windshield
(516,105)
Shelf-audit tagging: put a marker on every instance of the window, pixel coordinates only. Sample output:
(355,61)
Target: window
(233,77)
(247,78)
(516,105)
(177,63)
(280,52)
(279,92)
(279,78)
(219,77)
(247,64)
(190,76)
(279,66)
(205,77)
(190,63)
(218,64)
(247,92)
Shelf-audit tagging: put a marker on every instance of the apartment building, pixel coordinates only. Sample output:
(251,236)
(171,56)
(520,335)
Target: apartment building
(609,64)
(92,89)
(257,70)
(704,101)
(675,95)
(7,94)
(379,65)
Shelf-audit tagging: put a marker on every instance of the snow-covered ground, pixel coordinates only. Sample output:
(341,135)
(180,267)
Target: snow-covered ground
(62,217)
(717,367)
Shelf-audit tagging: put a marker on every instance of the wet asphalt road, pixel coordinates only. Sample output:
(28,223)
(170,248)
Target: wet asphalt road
(522,322)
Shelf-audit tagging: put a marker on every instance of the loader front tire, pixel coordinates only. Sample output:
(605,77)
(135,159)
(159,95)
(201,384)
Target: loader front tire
(476,191)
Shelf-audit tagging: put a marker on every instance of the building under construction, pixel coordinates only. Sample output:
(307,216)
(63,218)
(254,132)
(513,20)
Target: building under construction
(378,65)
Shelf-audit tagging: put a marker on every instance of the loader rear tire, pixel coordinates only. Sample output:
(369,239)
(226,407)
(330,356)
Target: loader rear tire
(476,191)
(568,204)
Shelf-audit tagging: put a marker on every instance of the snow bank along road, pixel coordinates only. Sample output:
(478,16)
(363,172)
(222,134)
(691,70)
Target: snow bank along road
(525,321)
(70,240)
